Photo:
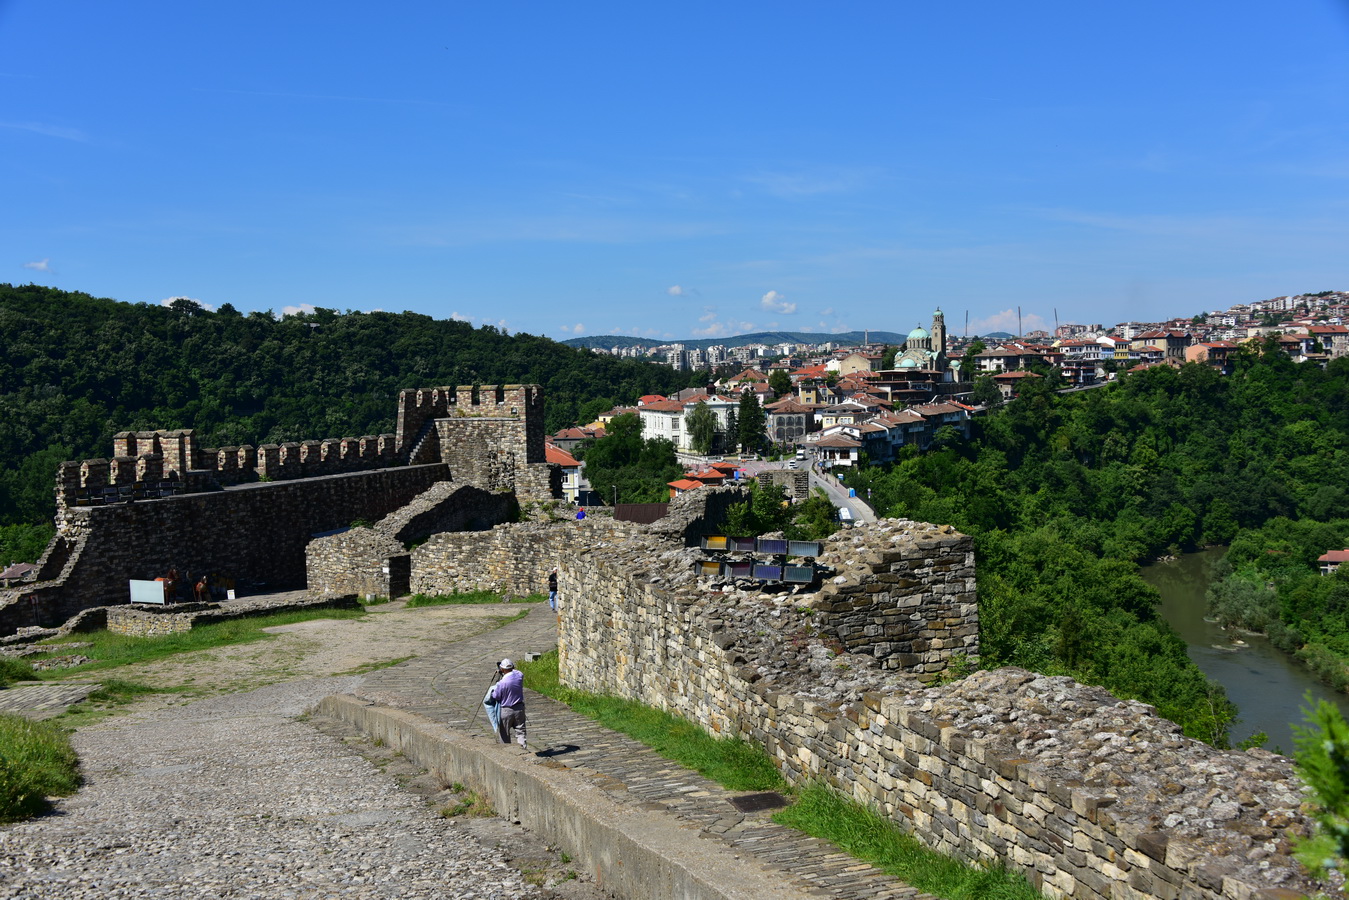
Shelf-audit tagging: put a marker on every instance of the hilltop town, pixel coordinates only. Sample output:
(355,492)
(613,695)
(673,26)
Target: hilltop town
(842,405)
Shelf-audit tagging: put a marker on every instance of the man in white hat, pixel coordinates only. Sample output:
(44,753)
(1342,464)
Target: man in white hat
(509,692)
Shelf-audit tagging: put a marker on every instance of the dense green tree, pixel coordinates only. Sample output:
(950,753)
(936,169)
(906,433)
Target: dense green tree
(1065,493)
(623,467)
(780,382)
(751,423)
(77,369)
(702,427)
(985,392)
(968,364)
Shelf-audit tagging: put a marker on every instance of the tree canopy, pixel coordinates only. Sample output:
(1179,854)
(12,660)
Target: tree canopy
(77,369)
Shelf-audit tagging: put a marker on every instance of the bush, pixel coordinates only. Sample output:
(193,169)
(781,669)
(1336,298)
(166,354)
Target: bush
(12,670)
(36,762)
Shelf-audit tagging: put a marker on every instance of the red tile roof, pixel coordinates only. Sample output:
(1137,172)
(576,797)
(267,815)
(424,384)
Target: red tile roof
(1335,556)
(559,456)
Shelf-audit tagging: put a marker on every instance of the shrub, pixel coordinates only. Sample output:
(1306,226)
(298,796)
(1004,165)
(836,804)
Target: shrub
(12,670)
(36,761)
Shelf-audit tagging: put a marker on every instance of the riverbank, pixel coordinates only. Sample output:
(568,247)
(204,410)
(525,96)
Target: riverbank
(1267,685)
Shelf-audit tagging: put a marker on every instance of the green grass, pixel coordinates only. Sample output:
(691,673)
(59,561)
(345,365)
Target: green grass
(732,763)
(36,761)
(13,669)
(468,597)
(374,666)
(870,836)
(102,703)
(106,650)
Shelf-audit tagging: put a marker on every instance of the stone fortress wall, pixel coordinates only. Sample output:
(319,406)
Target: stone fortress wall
(162,501)
(1090,796)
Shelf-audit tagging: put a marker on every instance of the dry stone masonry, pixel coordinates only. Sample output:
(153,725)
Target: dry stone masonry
(1091,796)
(248,513)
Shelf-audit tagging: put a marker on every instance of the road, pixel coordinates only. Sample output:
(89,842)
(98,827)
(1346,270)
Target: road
(819,478)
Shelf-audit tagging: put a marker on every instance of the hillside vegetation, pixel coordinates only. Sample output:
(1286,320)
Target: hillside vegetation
(1066,493)
(77,369)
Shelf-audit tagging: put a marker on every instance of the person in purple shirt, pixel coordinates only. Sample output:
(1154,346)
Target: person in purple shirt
(509,692)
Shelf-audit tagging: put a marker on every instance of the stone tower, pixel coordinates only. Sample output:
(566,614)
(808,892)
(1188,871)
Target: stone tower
(939,332)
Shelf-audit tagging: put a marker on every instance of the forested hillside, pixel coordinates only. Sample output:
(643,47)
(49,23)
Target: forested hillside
(1065,493)
(76,369)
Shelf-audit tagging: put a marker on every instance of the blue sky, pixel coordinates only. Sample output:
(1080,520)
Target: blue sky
(680,170)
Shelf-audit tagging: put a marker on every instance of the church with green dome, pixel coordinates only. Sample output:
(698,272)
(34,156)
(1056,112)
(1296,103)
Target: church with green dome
(925,351)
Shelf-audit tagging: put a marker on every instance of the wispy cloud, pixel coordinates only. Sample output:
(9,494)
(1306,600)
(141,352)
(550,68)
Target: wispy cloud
(42,128)
(298,310)
(578,328)
(774,302)
(675,290)
(798,185)
(42,265)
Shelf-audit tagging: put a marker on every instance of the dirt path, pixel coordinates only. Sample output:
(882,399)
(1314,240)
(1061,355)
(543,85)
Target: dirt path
(318,648)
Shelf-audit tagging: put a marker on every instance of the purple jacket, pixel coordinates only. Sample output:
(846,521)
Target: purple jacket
(510,690)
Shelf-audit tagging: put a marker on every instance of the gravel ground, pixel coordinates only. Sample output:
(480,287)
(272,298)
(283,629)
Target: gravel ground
(229,797)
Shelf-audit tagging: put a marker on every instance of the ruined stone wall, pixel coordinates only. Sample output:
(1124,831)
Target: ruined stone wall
(142,621)
(376,562)
(796,482)
(1090,796)
(254,533)
(360,561)
(512,559)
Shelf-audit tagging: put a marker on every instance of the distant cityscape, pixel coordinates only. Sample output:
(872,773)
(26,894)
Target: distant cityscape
(1319,319)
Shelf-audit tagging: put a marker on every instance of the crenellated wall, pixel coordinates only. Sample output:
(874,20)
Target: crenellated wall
(254,533)
(152,464)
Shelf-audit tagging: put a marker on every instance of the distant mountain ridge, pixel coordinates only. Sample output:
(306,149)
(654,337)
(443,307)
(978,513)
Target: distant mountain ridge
(609,341)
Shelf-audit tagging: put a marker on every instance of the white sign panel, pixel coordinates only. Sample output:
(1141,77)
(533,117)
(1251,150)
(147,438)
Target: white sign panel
(147,592)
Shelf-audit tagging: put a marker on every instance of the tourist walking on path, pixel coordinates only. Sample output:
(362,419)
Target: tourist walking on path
(552,590)
(509,693)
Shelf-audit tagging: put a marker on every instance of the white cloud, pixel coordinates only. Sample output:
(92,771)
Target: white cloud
(42,265)
(675,290)
(1006,321)
(774,302)
(168,301)
(574,329)
(713,329)
(301,309)
(827,311)
(457,316)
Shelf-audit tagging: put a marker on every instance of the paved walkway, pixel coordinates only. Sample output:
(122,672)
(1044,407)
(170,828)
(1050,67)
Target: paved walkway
(448,686)
(43,700)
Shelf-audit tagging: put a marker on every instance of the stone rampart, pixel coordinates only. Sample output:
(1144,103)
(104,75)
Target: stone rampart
(376,562)
(152,464)
(253,533)
(156,621)
(1090,796)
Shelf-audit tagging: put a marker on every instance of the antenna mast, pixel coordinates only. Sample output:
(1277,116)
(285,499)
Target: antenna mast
(1019,333)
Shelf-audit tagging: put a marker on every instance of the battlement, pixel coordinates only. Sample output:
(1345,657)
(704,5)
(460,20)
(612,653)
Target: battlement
(498,401)
(501,433)
(148,465)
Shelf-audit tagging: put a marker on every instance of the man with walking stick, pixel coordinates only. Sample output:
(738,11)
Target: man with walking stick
(509,694)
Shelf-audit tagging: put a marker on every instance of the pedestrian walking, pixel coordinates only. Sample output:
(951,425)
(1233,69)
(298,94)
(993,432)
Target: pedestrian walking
(509,693)
(552,590)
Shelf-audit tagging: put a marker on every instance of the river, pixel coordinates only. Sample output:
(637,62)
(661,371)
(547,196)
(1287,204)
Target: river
(1267,685)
